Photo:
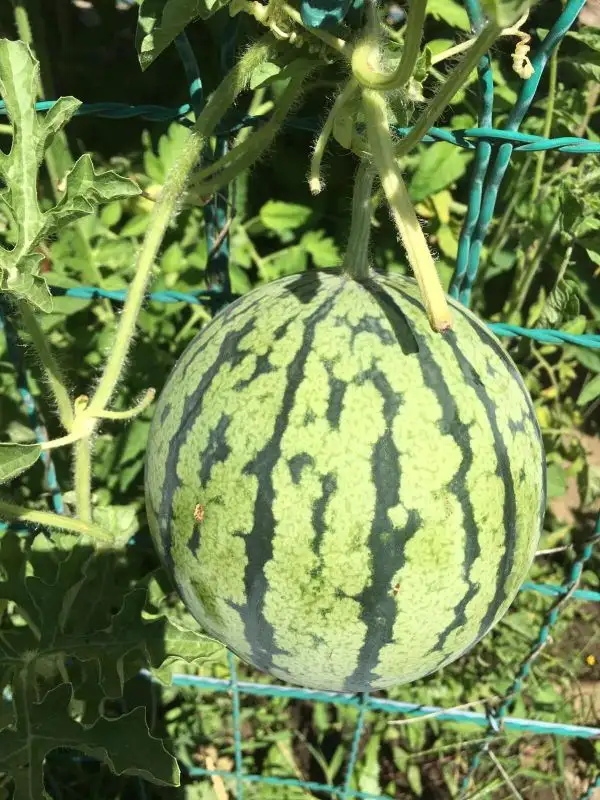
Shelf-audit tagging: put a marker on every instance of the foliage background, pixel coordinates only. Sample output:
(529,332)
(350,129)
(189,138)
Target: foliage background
(87,50)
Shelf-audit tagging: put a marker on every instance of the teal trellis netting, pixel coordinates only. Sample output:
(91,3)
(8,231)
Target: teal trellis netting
(493,148)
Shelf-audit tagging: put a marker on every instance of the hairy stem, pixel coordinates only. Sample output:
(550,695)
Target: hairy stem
(83,479)
(453,83)
(243,156)
(52,371)
(163,212)
(356,258)
(367,50)
(403,213)
(343,97)
(16,513)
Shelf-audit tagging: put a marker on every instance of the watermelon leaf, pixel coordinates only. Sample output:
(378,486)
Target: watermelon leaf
(161,21)
(440,165)
(278,216)
(32,134)
(590,391)
(124,744)
(16,458)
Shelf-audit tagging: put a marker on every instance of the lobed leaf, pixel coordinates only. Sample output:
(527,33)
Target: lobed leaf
(32,135)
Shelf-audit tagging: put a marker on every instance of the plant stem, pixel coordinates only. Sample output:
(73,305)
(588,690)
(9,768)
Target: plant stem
(17,513)
(403,213)
(367,50)
(541,157)
(453,83)
(343,97)
(356,258)
(164,209)
(52,371)
(83,479)
(241,158)
(337,44)
(515,304)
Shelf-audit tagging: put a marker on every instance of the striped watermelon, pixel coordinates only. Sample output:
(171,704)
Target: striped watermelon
(345,498)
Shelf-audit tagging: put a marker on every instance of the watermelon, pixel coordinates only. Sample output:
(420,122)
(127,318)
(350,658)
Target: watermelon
(345,498)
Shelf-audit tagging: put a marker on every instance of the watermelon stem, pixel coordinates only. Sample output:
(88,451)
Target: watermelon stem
(315,182)
(356,259)
(403,213)
(453,83)
(365,54)
(246,154)
(165,207)
(62,522)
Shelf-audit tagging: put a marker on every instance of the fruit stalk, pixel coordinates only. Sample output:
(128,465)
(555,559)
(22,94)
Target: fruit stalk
(356,259)
(403,213)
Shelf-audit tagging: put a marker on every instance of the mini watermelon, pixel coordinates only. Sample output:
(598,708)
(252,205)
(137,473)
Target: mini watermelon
(345,498)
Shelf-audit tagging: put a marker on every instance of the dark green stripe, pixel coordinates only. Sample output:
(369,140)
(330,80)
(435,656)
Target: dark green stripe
(386,542)
(503,471)
(451,425)
(259,632)
(229,353)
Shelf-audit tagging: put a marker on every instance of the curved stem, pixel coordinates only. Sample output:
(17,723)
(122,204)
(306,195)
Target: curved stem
(50,366)
(403,213)
(343,97)
(253,148)
(164,209)
(356,258)
(16,513)
(453,83)
(366,50)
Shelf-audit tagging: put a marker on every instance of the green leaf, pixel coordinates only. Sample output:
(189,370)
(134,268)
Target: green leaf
(85,189)
(450,12)
(572,208)
(124,744)
(16,458)
(278,216)
(590,391)
(161,21)
(32,134)
(557,482)
(263,73)
(440,165)
(322,248)
(505,12)
(120,521)
(413,776)
(562,305)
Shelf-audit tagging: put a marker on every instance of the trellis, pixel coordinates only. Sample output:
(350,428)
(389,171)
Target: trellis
(493,149)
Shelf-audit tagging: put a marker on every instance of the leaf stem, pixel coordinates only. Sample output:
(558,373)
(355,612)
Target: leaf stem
(366,52)
(164,209)
(403,213)
(453,83)
(541,157)
(356,258)
(243,156)
(52,371)
(315,183)
(17,513)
